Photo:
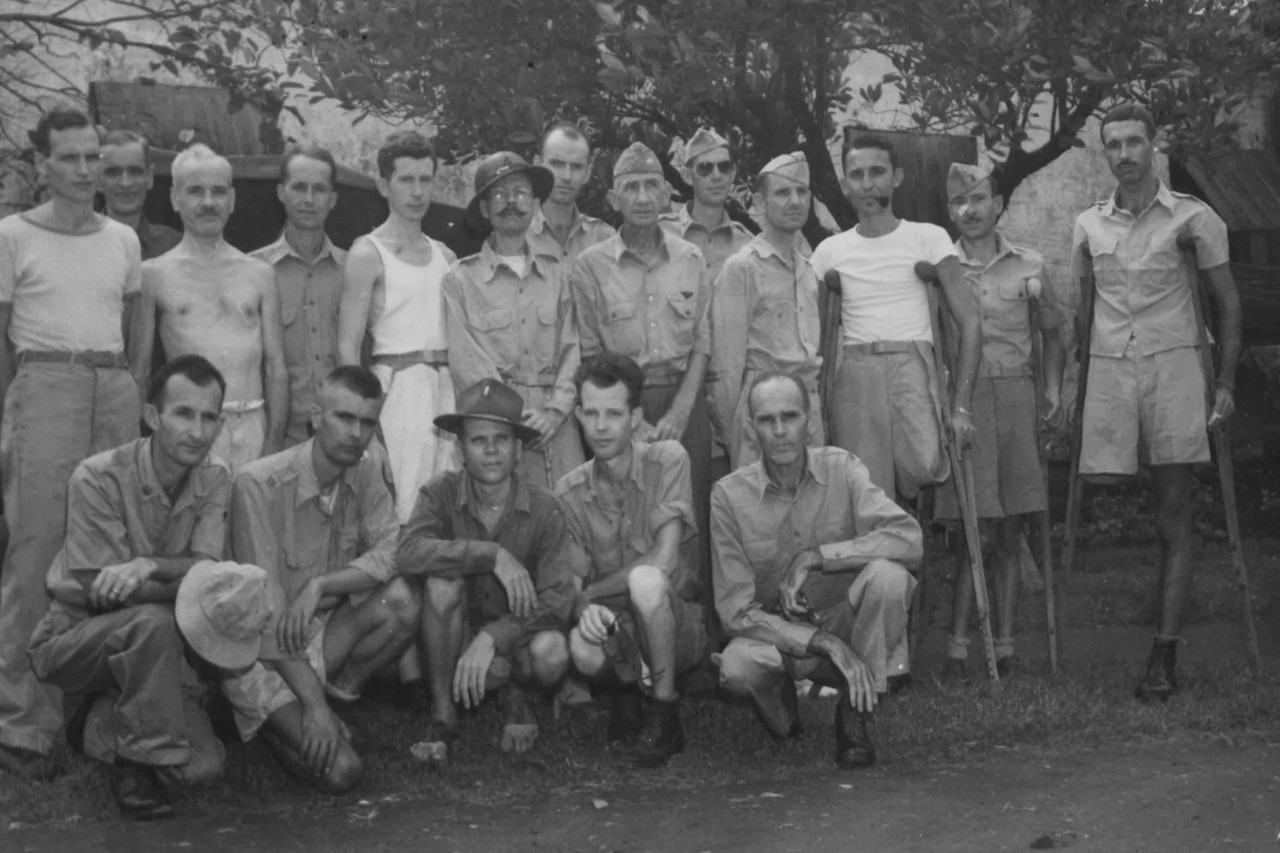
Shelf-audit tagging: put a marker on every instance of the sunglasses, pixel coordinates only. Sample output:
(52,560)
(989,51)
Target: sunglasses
(704,170)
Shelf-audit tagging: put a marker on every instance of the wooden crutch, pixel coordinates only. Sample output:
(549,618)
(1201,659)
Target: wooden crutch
(829,345)
(1221,435)
(961,473)
(1075,488)
(1046,523)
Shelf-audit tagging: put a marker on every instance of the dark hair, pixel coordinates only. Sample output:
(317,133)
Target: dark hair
(126,137)
(769,377)
(1129,111)
(311,152)
(356,379)
(65,117)
(404,143)
(568,128)
(864,140)
(196,369)
(608,369)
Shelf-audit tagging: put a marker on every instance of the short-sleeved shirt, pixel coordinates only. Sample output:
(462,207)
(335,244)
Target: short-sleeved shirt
(156,239)
(118,511)
(882,298)
(446,538)
(716,244)
(655,312)
(282,523)
(584,233)
(68,291)
(1005,304)
(310,294)
(1143,281)
(615,536)
(518,327)
(757,529)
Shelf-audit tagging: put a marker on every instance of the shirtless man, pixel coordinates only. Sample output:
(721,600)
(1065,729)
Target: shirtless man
(209,298)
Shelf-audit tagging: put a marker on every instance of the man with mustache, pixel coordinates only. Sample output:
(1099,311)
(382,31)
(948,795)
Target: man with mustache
(887,406)
(69,280)
(308,271)
(1146,389)
(207,297)
(764,309)
(510,315)
(125,178)
(320,520)
(1008,283)
(558,225)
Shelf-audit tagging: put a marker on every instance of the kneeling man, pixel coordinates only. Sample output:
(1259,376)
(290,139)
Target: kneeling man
(320,519)
(809,573)
(138,517)
(499,568)
(631,509)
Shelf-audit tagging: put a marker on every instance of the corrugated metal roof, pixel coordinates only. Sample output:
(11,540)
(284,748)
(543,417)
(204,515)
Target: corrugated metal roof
(1243,187)
(163,112)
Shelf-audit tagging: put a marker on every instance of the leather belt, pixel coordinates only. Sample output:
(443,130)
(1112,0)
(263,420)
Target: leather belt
(881,347)
(403,361)
(86,358)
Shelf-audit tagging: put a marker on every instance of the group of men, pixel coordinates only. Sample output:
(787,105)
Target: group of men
(540,461)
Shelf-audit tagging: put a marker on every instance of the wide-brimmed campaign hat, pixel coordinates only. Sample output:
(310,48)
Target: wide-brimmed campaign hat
(489,400)
(222,610)
(494,168)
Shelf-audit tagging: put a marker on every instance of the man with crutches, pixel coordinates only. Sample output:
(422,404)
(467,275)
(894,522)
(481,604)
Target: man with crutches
(1009,284)
(1145,391)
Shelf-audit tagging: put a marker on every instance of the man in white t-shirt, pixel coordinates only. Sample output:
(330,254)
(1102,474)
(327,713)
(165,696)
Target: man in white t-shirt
(887,402)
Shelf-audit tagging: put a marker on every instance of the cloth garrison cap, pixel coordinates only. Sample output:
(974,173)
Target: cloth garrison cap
(222,610)
(701,142)
(637,159)
(962,178)
(494,168)
(793,167)
(489,400)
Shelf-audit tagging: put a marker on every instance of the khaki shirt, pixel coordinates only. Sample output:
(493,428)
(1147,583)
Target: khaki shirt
(445,538)
(1144,287)
(309,298)
(280,522)
(716,244)
(584,233)
(764,317)
(654,312)
(757,529)
(1005,306)
(117,511)
(520,329)
(614,536)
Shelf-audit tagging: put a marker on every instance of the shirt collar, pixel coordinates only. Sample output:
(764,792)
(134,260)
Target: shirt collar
(638,449)
(282,248)
(764,249)
(149,483)
(763,481)
(540,223)
(1163,196)
(492,260)
(308,484)
(520,500)
(618,247)
(1003,247)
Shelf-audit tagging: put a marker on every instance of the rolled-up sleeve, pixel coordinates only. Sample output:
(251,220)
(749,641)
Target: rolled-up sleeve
(673,497)
(884,529)
(428,546)
(209,533)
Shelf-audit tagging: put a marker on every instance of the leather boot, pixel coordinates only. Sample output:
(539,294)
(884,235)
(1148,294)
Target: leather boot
(626,714)
(138,792)
(661,737)
(1161,679)
(854,748)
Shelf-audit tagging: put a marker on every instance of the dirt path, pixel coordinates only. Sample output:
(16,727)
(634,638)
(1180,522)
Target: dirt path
(1179,796)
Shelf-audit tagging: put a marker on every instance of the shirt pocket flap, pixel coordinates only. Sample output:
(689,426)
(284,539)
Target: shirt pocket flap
(1013,289)
(618,311)
(498,318)
(289,315)
(760,552)
(685,308)
(1102,244)
(548,314)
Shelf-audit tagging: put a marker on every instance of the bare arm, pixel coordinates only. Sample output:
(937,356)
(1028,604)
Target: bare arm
(362,272)
(275,378)
(664,554)
(143,334)
(8,362)
(1225,294)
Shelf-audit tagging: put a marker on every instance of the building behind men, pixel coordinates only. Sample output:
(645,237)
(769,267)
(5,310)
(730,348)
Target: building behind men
(309,279)
(68,281)
(558,226)
(125,178)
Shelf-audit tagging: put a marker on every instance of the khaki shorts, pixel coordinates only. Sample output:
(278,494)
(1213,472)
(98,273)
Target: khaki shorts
(1150,407)
(626,647)
(260,692)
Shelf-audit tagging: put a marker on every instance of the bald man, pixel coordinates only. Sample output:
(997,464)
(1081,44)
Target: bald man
(207,297)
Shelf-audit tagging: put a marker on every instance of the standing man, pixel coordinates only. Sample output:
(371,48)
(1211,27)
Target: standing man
(319,519)
(888,399)
(499,567)
(138,518)
(1009,283)
(645,294)
(394,291)
(68,281)
(209,298)
(764,310)
(709,169)
(558,226)
(637,625)
(509,315)
(1145,387)
(125,178)
(810,578)
(308,279)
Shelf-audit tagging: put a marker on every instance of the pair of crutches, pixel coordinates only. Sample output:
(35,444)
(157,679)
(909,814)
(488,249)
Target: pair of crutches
(1220,436)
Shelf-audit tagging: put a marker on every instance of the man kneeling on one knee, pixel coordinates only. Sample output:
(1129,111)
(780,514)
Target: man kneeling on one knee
(499,567)
(808,565)
(320,519)
(631,509)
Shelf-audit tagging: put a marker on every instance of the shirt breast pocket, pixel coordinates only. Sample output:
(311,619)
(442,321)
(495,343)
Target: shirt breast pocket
(1108,265)
(491,320)
(306,555)
(683,321)
(761,552)
(622,331)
